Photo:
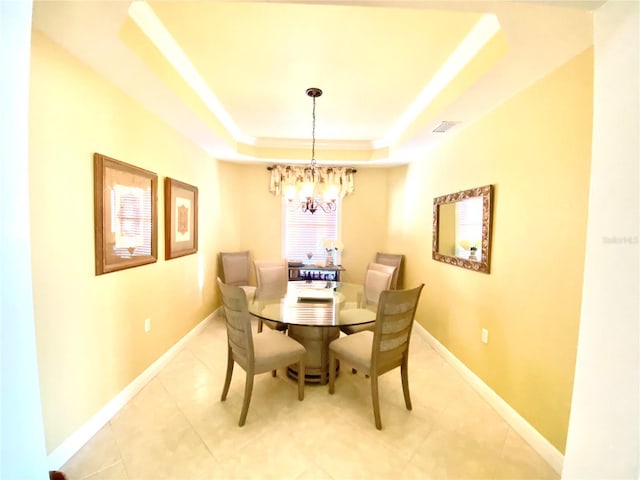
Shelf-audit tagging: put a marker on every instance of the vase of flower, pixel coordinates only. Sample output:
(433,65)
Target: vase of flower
(329,259)
(331,247)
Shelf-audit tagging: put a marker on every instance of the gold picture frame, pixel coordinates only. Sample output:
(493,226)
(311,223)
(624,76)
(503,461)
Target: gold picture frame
(125,215)
(180,219)
(479,256)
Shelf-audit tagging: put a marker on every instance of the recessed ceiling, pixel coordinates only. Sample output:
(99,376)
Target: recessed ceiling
(391,72)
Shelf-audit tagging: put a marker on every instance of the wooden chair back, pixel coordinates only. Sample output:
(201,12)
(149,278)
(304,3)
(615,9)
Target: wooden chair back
(235,268)
(392,331)
(238,320)
(272,277)
(377,279)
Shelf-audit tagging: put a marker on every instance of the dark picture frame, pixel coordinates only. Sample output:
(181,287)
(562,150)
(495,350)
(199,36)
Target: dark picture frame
(180,219)
(125,215)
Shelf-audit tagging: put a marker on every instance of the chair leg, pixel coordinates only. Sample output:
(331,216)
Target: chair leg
(301,379)
(332,370)
(227,380)
(248,388)
(404,372)
(274,373)
(375,400)
(259,325)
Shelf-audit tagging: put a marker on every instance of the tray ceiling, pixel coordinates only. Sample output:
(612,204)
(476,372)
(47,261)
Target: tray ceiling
(232,75)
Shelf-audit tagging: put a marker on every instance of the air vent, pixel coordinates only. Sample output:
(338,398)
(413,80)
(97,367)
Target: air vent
(444,126)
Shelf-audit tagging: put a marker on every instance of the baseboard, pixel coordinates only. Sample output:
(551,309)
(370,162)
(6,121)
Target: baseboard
(540,444)
(68,448)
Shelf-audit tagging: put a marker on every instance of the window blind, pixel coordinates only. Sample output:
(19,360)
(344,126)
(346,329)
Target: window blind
(305,231)
(468,225)
(131,221)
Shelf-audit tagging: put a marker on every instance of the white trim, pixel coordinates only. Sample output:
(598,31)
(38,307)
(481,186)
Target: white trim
(146,19)
(328,144)
(68,448)
(483,31)
(540,444)
(73,443)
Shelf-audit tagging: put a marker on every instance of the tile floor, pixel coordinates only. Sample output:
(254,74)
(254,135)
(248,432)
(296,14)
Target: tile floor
(177,427)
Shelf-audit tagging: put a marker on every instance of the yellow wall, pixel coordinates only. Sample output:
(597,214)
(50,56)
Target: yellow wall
(364,226)
(256,221)
(252,219)
(90,329)
(447,228)
(536,150)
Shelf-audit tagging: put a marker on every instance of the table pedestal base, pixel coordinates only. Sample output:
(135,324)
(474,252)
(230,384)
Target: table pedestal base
(316,340)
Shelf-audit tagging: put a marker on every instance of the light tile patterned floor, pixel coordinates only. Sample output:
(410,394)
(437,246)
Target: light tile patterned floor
(177,427)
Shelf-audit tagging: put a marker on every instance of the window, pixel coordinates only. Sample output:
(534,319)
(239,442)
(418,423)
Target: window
(131,209)
(305,231)
(468,225)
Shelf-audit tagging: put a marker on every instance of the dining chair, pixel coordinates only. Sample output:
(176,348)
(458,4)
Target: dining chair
(258,353)
(378,277)
(394,260)
(235,270)
(384,349)
(272,277)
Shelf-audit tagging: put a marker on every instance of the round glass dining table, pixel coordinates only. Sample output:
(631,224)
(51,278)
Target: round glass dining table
(314,312)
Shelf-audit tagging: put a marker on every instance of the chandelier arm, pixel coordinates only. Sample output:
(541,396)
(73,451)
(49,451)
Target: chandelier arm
(328,207)
(310,205)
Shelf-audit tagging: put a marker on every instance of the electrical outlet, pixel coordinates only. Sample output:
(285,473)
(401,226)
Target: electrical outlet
(485,335)
(147,325)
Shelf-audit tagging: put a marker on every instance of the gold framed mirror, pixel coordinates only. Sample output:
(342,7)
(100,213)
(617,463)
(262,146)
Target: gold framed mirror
(462,228)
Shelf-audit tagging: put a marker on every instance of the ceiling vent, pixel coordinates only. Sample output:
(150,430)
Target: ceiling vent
(444,126)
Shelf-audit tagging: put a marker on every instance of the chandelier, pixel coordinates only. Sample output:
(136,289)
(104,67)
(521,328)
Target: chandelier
(313,186)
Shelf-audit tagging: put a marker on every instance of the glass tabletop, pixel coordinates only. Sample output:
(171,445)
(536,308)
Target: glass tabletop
(317,304)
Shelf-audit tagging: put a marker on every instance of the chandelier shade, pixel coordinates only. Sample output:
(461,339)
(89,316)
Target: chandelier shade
(313,186)
(297,183)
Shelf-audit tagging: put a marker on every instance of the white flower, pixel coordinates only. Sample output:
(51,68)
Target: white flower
(329,245)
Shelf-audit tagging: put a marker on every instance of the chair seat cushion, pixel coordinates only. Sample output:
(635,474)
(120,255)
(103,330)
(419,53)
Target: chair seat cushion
(357,320)
(355,349)
(351,329)
(273,349)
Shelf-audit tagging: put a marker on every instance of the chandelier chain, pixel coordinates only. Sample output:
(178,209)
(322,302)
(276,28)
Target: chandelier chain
(310,183)
(313,137)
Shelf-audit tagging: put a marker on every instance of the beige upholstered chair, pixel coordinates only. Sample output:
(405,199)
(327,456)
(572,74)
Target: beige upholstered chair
(384,349)
(377,279)
(258,353)
(235,269)
(393,260)
(272,277)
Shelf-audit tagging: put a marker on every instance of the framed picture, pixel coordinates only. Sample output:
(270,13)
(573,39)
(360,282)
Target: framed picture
(125,213)
(462,228)
(180,219)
